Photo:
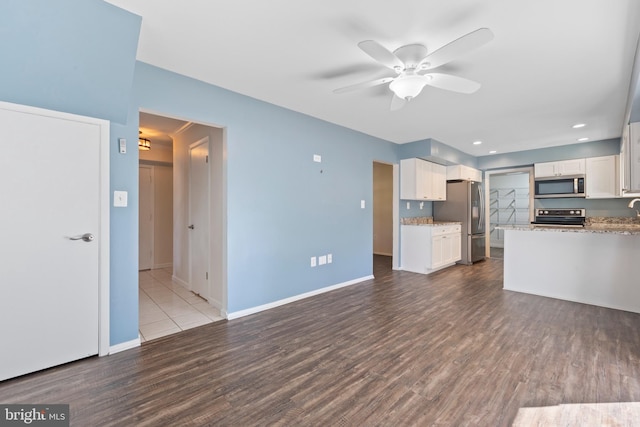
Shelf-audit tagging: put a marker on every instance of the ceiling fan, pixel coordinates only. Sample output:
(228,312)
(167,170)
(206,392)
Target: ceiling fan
(412,64)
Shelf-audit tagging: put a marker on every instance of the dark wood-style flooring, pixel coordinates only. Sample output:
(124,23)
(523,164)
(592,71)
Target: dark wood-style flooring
(449,349)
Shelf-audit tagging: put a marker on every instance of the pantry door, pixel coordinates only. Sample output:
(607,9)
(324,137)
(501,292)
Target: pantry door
(54,223)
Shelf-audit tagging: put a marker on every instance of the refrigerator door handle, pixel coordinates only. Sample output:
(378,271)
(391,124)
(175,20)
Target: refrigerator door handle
(481,201)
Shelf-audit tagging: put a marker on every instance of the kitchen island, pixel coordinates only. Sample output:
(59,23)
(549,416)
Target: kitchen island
(597,265)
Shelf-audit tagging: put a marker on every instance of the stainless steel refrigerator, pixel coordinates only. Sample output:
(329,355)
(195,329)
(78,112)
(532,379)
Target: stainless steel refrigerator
(465,203)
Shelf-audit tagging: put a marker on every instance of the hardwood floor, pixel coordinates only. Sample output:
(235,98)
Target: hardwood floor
(449,349)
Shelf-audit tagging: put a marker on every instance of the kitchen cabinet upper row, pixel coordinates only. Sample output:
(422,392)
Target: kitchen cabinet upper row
(465,173)
(422,180)
(630,161)
(560,168)
(602,175)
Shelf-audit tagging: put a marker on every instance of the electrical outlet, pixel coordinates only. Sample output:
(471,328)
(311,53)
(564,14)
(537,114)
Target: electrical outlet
(313,261)
(408,205)
(362,204)
(322,260)
(329,258)
(317,158)
(421,205)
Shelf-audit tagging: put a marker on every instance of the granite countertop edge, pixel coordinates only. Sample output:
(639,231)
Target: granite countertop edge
(626,231)
(435,223)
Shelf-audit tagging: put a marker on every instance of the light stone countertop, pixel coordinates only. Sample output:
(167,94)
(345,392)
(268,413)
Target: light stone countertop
(626,230)
(426,221)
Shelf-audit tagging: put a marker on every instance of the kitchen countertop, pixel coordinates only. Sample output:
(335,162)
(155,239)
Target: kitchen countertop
(602,228)
(427,223)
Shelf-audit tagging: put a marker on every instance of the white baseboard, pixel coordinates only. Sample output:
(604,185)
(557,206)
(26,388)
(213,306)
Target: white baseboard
(124,346)
(253,310)
(165,265)
(180,282)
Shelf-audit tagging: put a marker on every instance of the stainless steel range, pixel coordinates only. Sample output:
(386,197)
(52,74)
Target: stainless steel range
(573,217)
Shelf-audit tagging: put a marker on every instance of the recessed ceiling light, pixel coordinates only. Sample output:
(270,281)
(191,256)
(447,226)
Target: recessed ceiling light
(583,139)
(492,152)
(477,142)
(578,125)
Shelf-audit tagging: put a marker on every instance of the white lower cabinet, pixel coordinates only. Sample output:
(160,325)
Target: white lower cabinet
(429,247)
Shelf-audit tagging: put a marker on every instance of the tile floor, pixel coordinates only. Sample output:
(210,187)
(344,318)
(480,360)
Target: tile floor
(167,307)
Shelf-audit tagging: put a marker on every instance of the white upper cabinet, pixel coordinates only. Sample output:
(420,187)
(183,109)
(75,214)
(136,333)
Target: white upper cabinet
(422,180)
(463,172)
(601,177)
(561,168)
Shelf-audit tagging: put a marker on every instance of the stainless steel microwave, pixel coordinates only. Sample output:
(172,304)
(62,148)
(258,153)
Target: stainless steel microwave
(559,186)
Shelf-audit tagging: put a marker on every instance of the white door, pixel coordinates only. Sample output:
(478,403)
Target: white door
(51,189)
(145,214)
(199,217)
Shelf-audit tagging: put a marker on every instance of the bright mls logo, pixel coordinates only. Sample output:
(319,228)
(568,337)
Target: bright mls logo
(34,415)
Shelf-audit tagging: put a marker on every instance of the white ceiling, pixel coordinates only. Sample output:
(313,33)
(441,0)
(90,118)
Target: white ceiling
(552,63)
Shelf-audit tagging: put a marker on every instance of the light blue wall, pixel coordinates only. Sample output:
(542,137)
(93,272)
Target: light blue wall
(282,208)
(68,55)
(79,57)
(431,149)
(565,152)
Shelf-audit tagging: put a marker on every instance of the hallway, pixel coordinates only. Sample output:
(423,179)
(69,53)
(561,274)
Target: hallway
(167,307)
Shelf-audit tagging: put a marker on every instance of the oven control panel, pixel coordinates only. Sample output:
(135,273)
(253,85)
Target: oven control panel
(575,212)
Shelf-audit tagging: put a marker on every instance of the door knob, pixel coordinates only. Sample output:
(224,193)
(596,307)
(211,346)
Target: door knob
(191,227)
(86,237)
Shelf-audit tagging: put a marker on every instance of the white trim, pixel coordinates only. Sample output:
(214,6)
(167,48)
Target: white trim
(124,346)
(105,201)
(487,199)
(395,260)
(105,239)
(153,213)
(165,265)
(253,310)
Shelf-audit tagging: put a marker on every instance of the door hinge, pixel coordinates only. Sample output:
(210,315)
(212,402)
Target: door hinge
(207,275)
(207,159)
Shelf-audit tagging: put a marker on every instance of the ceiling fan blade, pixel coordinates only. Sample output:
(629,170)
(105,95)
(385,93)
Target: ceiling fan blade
(397,103)
(381,54)
(456,48)
(363,85)
(452,83)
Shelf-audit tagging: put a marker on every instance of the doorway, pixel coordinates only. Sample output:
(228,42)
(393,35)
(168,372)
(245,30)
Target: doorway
(385,216)
(509,197)
(170,300)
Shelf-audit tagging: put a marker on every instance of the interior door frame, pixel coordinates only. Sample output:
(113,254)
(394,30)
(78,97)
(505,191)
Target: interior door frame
(202,141)
(487,201)
(152,207)
(105,199)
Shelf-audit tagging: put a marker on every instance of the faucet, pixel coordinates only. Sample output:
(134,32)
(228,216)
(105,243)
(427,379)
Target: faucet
(631,203)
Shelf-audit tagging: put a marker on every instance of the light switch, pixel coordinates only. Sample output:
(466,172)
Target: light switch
(362,204)
(123,145)
(120,199)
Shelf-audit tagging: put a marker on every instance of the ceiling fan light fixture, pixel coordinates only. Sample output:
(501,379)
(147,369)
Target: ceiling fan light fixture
(408,87)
